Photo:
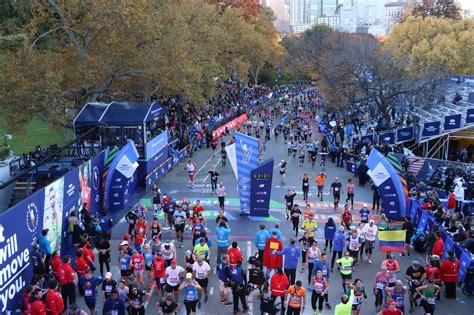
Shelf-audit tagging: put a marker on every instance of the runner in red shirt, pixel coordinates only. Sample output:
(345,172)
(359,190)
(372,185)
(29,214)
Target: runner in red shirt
(137,261)
(159,268)
(346,217)
(234,255)
(197,207)
(141,226)
(391,310)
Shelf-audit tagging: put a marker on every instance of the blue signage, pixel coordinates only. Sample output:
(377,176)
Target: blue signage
(388,137)
(120,178)
(247,160)
(469,80)
(389,185)
(470,116)
(431,129)
(261,189)
(156,144)
(452,122)
(405,134)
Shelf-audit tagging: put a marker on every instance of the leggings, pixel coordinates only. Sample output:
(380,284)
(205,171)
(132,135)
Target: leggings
(333,259)
(317,298)
(295,223)
(350,197)
(104,260)
(428,308)
(378,297)
(310,271)
(361,249)
(213,185)
(190,306)
(305,193)
(328,242)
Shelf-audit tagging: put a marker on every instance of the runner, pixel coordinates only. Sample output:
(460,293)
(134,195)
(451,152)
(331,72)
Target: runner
(415,274)
(201,272)
(320,183)
(190,290)
(297,299)
(354,242)
(336,190)
(306,242)
(350,192)
(155,228)
(380,283)
(221,193)
(137,263)
(393,268)
(191,168)
(172,278)
(391,309)
(345,265)
(179,221)
(310,226)
(156,194)
(301,157)
(214,178)
(282,165)
(295,214)
(428,295)
(361,233)
(364,214)
(159,272)
(360,296)
(397,294)
(370,231)
(305,186)
(339,242)
(223,157)
(320,287)
(148,256)
(289,201)
(329,232)
(346,217)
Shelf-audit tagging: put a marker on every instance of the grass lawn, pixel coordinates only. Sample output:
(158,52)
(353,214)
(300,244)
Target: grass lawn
(37,132)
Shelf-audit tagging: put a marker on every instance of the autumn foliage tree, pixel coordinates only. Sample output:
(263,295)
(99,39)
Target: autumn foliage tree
(437,8)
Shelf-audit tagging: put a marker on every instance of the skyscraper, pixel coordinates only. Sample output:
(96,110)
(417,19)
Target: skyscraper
(280,9)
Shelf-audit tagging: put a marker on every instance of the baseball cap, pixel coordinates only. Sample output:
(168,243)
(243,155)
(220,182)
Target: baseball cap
(123,243)
(173,261)
(189,275)
(108,275)
(127,236)
(392,302)
(365,205)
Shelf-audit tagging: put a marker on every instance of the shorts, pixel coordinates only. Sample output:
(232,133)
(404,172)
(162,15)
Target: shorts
(202,282)
(171,288)
(354,253)
(156,200)
(408,241)
(159,281)
(179,228)
(125,273)
(369,244)
(191,175)
(320,188)
(336,196)
(137,273)
(222,287)
(282,173)
(356,307)
(148,268)
(346,277)
(90,302)
(303,256)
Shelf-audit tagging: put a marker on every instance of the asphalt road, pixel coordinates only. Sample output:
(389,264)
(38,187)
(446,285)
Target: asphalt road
(244,228)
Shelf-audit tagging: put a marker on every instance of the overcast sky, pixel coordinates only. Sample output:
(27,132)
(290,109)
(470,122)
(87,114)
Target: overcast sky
(467,4)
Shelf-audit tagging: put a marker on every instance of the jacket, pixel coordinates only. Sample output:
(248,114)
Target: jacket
(54,302)
(319,265)
(56,265)
(222,234)
(234,255)
(339,241)
(36,306)
(451,201)
(45,245)
(329,231)
(345,309)
(261,239)
(279,284)
(438,247)
(66,274)
(292,254)
(81,266)
(114,305)
(449,270)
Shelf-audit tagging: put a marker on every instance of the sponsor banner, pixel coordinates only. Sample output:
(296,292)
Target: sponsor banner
(389,185)
(431,129)
(120,178)
(231,155)
(469,80)
(95,184)
(470,97)
(465,261)
(452,122)
(234,123)
(247,160)
(455,78)
(53,212)
(19,228)
(162,169)
(367,138)
(388,137)
(156,144)
(261,188)
(470,116)
(448,246)
(405,134)
(157,159)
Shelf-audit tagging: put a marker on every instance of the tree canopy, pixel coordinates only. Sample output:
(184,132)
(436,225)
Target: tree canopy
(76,51)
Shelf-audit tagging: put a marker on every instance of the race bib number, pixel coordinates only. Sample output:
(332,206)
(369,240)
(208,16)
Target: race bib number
(200,275)
(336,189)
(296,298)
(306,184)
(173,280)
(357,300)
(380,285)
(431,301)
(190,296)
(88,292)
(108,288)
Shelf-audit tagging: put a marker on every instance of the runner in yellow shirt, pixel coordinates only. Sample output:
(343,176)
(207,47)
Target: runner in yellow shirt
(309,226)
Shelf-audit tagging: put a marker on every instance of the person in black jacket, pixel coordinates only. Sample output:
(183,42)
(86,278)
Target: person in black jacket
(469,242)
(375,198)
(131,217)
(113,305)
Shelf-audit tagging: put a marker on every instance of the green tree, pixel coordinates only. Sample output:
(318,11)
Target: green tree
(437,8)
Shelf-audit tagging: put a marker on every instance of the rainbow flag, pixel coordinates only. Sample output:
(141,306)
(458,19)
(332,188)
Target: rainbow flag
(392,241)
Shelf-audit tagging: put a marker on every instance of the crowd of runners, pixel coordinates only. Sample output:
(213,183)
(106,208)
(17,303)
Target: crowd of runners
(148,265)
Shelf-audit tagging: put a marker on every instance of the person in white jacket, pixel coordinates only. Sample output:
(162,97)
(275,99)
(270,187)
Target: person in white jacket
(459,192)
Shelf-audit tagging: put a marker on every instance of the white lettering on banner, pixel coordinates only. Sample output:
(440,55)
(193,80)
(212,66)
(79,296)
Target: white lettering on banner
(11,281)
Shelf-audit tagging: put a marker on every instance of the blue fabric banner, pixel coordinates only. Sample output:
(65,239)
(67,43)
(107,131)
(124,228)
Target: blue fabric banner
(389,185)
(261,189)
(470,116)
(120,177)
(247,160)
(452,122)
(388,137)
(156,144)
(466,262)
(431,129)
(448,246)
(405,134)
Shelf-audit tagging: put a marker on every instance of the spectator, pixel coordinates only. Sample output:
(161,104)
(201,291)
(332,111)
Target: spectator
(113,304)
(67,281)
(449,274)
(36,305)
(45,248)
(54,301)
(438,247)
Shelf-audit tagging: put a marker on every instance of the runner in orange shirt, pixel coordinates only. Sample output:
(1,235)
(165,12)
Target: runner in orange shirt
(297,299)
(320,183)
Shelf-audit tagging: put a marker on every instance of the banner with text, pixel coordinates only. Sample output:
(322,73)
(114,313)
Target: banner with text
(247,160)
(388,137)
(452,122)
(389,185)
(470,116)
(261,189)
(405,134)
(431,129)
(234,123)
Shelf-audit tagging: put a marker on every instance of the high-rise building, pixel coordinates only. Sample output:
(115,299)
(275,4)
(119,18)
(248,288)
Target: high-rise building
(306,13)
(393,15)
(280,9)
(363,16)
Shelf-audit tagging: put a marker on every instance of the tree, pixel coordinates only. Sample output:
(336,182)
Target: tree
(250,8)
(438,8)
(435,46)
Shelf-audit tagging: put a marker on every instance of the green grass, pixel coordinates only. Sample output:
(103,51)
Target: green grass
(36,132)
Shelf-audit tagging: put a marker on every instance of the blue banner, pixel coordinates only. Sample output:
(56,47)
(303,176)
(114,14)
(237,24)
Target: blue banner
(389,185)
(469,80)
(405,134)
(366,138)
(452,122)
(465,261)
(247,160)
(261,189)
(448,246)
(95,185)
(470,116)
(388,137)
(423,221)
(431,129)
(156,144)
(158,159)
(120,179)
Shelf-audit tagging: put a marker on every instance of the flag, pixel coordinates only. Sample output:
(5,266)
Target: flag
(392,241)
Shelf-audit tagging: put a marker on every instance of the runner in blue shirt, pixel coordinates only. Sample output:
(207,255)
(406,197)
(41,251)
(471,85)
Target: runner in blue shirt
(90,283)
(364,214)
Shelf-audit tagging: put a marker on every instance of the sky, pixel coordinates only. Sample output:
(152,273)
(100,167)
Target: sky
(467,4)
